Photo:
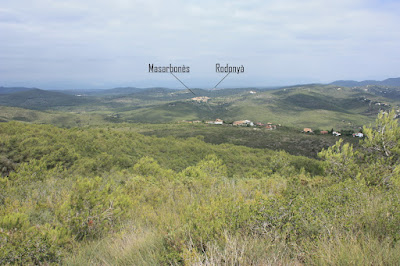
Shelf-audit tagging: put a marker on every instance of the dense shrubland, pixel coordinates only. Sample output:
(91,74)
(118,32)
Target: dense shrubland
(106,196)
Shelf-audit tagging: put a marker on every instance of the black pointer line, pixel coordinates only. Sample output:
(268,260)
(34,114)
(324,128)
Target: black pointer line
(193,92)
(209,107)
(221,80)
(182,83)
(216,87)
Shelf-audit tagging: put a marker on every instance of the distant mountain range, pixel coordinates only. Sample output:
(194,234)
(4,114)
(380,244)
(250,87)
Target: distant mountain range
(391,82)
(8,90)
(102,92)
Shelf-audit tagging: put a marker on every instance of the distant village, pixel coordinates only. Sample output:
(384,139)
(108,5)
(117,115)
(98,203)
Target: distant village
(333,132)
(242,123)
(271,126)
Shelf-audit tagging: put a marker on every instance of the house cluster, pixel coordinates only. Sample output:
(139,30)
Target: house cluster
(382,104)
(366,100)
(190,122)
(269,126)
(249,123)
(334,133)
(244,123)
(201,99)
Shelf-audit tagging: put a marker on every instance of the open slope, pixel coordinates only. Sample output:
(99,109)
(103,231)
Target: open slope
(61,119)
(318,106)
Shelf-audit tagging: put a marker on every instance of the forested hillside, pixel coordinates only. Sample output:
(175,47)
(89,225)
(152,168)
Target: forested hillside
(113,196)
(37,99)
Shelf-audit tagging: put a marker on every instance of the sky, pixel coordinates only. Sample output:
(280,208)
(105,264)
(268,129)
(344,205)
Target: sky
(92,44)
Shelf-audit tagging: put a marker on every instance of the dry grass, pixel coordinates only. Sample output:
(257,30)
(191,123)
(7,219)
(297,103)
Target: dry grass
(129,247)
(355,250)
(239,250)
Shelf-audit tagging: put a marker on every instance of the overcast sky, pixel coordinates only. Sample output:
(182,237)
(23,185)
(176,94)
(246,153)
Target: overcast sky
(56,44)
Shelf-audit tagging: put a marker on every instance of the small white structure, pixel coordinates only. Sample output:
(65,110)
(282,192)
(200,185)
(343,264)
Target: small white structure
(359,135)
(337,134)
(216,122)
(219,122)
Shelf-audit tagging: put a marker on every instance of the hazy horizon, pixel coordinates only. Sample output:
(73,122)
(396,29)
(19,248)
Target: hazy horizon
(176,86)
(99,44)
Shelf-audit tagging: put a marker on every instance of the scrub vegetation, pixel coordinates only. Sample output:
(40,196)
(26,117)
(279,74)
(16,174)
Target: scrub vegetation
(113,196)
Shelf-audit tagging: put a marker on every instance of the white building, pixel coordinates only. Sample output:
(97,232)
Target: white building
(359,135)
(337,134)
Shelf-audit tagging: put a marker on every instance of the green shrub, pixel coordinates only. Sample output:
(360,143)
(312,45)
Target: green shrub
(92,208)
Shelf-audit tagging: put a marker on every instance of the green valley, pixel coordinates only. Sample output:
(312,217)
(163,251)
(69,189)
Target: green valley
(316,106)
(145,179)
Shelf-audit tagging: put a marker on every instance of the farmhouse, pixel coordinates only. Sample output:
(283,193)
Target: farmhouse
(307,130)
(243,123)
(216,122)
(270,126)
(323,132)
(239,123)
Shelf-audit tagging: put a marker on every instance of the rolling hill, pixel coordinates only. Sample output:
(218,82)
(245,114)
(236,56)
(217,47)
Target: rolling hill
(115,91)
(302,106)
(8,90)
(40,99)
(60,119)
(392,82)
(313,105)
